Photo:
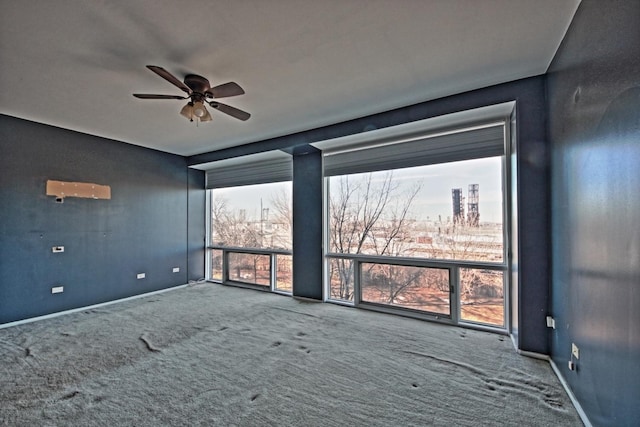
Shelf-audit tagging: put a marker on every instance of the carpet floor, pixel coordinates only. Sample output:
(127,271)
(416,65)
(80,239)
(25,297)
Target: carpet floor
(209,354)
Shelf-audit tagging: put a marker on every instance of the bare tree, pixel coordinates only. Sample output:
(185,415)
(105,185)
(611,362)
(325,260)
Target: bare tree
(372,217)
(396,284)
(283,218)
(233,228)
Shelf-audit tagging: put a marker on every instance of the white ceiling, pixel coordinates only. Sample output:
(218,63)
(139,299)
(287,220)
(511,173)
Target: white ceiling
(303,63)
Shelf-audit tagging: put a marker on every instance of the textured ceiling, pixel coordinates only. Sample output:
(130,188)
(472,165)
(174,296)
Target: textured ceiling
(303,63)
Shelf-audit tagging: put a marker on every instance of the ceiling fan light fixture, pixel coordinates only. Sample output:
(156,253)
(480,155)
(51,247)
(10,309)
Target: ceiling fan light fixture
(187,111)
(206,117)
(199,110)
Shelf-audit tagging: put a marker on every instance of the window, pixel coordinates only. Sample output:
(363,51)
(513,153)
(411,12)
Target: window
(251,222)
(252,216)
(415,223)
(449,212)
(418,288)
(251,235)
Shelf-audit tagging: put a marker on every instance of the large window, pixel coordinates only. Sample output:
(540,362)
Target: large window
(251,222)
(419,226)
(416,219)
(446,211)
(251,235)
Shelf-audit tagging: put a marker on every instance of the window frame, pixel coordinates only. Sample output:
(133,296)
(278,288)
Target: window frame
(503,114)
(250,170)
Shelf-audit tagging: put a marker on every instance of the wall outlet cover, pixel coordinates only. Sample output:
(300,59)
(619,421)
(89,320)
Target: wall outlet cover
(141,275)
(551,322)
(176,269)
(57,289)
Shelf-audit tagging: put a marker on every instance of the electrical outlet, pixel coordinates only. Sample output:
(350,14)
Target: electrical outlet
(176,269)
(141,275)
(57,289)
(57,249)
(551,322)
(575,351)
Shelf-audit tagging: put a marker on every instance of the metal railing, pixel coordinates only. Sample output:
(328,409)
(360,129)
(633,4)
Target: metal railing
(271,270)
(258,268)
(458,309)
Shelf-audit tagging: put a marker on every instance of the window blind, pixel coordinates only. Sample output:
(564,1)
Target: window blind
(431,149)
(251,172)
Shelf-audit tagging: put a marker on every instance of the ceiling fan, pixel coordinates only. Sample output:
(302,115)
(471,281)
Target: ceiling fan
(199,91)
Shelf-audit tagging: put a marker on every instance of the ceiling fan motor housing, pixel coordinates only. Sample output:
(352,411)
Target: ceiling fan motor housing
(199,86)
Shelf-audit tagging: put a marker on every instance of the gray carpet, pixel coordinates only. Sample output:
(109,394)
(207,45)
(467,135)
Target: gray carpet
(214,355)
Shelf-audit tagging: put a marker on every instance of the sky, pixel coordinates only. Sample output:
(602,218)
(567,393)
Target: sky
(250,197)
(434,198)
(438,180)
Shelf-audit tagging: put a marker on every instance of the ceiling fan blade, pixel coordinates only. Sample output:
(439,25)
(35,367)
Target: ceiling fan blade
(226,90)
(169,77)
(232,111)
(149,96)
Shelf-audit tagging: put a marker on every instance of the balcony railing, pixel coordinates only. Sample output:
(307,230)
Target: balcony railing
(450,291)
(458,292)
(268,269)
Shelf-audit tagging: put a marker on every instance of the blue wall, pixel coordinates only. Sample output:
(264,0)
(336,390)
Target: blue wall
(145,227)
(307,223)
(594,129)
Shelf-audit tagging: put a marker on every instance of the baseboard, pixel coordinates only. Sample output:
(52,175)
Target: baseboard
(88,307)
(306,299)
(572,397)
(576,404)
(533,354)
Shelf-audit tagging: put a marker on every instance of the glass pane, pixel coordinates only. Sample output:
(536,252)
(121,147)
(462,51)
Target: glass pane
(216,265)
(419,288)
(284,277)
(442,211)
(252,216)
(482,296)
(341,278)
(249,268)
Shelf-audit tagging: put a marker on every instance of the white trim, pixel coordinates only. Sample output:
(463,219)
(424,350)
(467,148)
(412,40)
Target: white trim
(241,160)
(304,299)
(326,263)
(207,225)
(513,341)
(506,223)
(576,404)
(565,385)
(88,307)
(444,124)
(533,354)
